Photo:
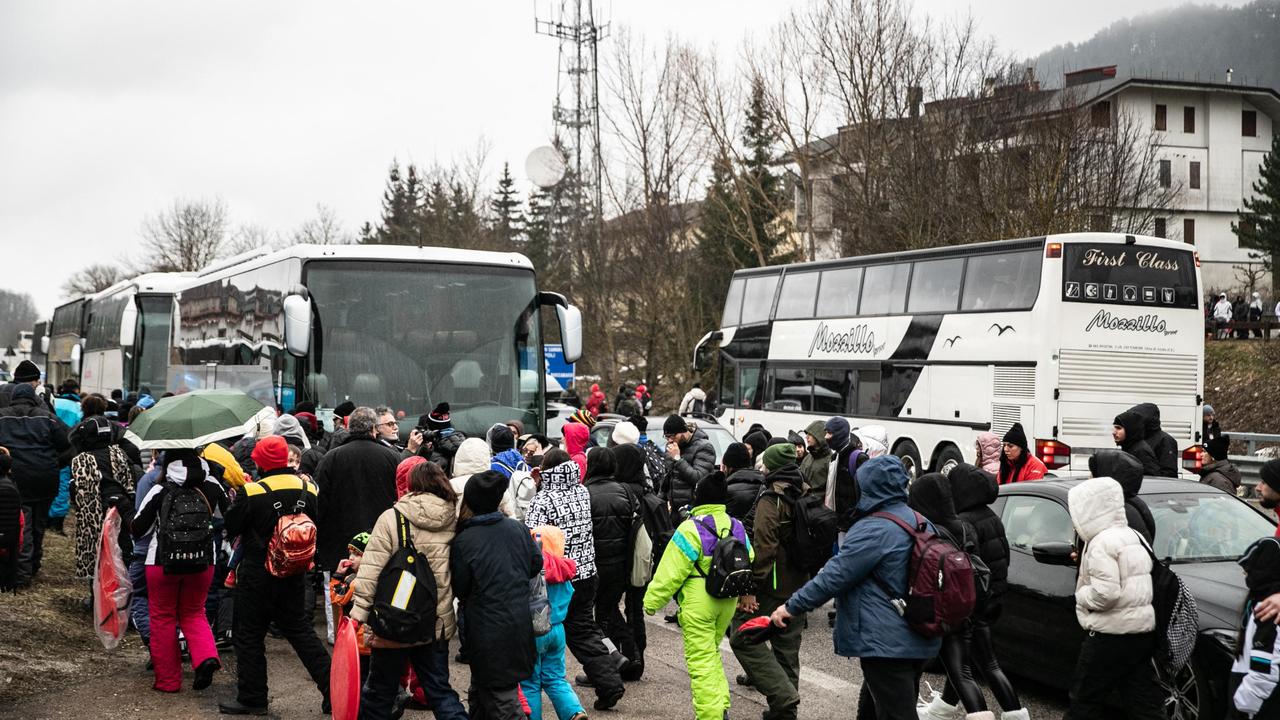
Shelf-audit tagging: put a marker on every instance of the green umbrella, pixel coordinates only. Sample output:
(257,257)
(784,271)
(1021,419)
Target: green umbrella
(196,419)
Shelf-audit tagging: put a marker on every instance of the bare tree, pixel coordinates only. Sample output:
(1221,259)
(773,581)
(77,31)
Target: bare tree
(186,236)
(323,229)
(250,236)
(92,279)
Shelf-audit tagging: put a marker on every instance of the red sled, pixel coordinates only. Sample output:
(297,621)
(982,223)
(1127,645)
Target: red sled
(111,585)
(344,673)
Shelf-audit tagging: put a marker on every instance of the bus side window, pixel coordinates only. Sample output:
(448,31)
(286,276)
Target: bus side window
(868,393)
(832,391)
(728,383)
(1009,281)
(791,389)
(748,386)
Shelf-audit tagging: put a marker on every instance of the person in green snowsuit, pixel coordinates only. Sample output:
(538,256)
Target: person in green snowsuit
(703,619)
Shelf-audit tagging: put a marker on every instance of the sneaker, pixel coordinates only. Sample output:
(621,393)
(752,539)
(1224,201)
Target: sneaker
(223,642)
(234,707)
(204,673)
(579,716)
(744,680)
(607,702)
(230,581)
(583,681)
(670,618)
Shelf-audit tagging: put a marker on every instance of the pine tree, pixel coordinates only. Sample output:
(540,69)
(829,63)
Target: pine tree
(763,187)
(505,206)
(400,202)
(1259,226)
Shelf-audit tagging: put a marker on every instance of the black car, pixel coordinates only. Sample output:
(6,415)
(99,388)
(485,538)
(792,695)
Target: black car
(1202,530)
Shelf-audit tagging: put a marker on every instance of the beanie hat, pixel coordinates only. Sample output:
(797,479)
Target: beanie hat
(625,433)
(736,456)
(288,427)
(308,421)
(500,438)
(358,543)
(551,538)
(674,424)
(1219,447)
(270,453)
(711,490)
(1208,409)
(775,456)
(758,440)
(584,417)
(641,422)
(1270,474)
(344,409)
(484,491)
(438,419)
(403,470)
(1016,436)
(26,372)
(839,429)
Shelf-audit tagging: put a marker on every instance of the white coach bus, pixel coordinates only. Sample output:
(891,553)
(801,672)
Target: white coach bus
(404,327)
(1059,333)
(127,332)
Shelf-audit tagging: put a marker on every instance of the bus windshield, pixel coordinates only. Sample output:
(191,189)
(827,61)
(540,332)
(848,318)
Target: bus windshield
(410,336)
(152,337)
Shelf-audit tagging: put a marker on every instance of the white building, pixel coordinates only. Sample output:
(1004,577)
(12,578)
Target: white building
(1212,139)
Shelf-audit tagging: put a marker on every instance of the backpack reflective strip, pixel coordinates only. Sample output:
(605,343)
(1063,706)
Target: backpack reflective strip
(404,589)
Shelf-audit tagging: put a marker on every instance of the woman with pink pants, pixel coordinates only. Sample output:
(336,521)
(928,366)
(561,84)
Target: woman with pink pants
(180,566)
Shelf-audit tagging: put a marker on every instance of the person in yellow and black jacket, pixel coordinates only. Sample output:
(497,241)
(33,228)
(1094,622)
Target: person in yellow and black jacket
(262,598)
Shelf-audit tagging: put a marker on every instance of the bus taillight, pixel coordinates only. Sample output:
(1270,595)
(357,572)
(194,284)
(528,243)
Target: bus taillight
(1191,461)
(1053,454)
(1053,250)
(1197,256)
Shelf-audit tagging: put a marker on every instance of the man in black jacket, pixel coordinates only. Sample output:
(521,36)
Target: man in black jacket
(1126,470)
(1161,442)
(692,456)
(629,471)
(35,438)
(263,598)
(745,482)
(357,482)
(1130,434)
(614,510)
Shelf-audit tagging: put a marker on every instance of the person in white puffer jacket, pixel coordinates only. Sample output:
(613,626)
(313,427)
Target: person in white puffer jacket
(1113,605)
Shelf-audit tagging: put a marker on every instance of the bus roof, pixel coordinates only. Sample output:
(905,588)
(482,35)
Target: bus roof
(157,282)
(405,253)
(951,251)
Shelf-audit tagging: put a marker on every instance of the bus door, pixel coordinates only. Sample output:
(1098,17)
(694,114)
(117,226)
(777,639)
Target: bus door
(740,389)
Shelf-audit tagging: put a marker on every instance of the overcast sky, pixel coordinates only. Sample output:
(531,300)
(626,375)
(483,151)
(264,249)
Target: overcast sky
(110,110)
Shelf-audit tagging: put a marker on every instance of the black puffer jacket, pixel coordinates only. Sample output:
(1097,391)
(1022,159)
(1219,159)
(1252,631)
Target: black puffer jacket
(492,561)
(745,485)
(1135,443)
(357,482)
(697,460)
(35,438)
(973,491)
(445,447)
(1127,471)
(613,513)
(1161,442)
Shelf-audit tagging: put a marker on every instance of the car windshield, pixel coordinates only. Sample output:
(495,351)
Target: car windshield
(1204,527)
(411,335)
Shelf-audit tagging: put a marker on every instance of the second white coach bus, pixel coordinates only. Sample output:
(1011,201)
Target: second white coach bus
(127,333)
(1059,333)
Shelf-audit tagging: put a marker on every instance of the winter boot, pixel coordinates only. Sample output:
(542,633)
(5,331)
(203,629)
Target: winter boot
(1019,714)
(937,709)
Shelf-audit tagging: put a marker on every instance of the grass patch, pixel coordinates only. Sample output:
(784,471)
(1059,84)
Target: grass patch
(1240,384)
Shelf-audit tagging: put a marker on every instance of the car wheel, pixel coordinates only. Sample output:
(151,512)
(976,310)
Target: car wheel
(1187,694)
(947,459)
(910,457)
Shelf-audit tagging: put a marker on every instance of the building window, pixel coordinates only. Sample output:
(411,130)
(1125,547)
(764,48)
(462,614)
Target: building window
(1166,173)
(1162,117)
(1188,119)
(1100,114)
(1244,230)
(1189,231)
(1194,175)
(1160,230)
(1249,123)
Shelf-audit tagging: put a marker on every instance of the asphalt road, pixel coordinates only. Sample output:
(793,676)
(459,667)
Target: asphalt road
(122,690)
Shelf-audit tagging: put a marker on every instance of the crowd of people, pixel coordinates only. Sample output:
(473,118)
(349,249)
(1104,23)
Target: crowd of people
(526,549)
(1224,318)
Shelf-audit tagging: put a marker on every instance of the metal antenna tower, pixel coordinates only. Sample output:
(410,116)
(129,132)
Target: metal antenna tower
(576,113)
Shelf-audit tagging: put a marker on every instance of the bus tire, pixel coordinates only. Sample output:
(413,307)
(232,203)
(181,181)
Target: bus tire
(947,457)
(910,457)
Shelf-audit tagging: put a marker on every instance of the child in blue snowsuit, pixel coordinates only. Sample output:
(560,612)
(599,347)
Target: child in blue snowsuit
(548,671)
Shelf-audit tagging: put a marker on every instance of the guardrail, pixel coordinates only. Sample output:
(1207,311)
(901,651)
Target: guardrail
(1250,464)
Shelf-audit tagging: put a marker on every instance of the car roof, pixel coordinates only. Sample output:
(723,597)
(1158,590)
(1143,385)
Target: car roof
(1058,487)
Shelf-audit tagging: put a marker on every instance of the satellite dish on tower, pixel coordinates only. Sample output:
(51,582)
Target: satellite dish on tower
(545,166)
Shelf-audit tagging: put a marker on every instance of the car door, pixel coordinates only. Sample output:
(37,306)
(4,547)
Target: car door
(1037,634)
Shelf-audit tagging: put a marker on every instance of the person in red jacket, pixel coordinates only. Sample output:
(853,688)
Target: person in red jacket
(595,403)
(1017,464)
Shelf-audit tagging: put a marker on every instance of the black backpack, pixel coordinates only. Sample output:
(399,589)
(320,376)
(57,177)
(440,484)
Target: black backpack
(1177,616)
(730,573)
(815,528)
(405,599)
(184,536)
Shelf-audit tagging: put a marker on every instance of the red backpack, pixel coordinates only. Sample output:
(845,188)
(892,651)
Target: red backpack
(940,591)
(292,547)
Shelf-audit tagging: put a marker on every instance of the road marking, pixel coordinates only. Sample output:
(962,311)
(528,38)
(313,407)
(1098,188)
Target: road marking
(817,678)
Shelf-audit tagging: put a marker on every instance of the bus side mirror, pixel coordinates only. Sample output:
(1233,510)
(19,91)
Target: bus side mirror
(570,318)
(297,325)
(128,323)
(44,345)
(76,353)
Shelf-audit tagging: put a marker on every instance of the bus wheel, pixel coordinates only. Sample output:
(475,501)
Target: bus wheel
(910,457)
(947,458)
